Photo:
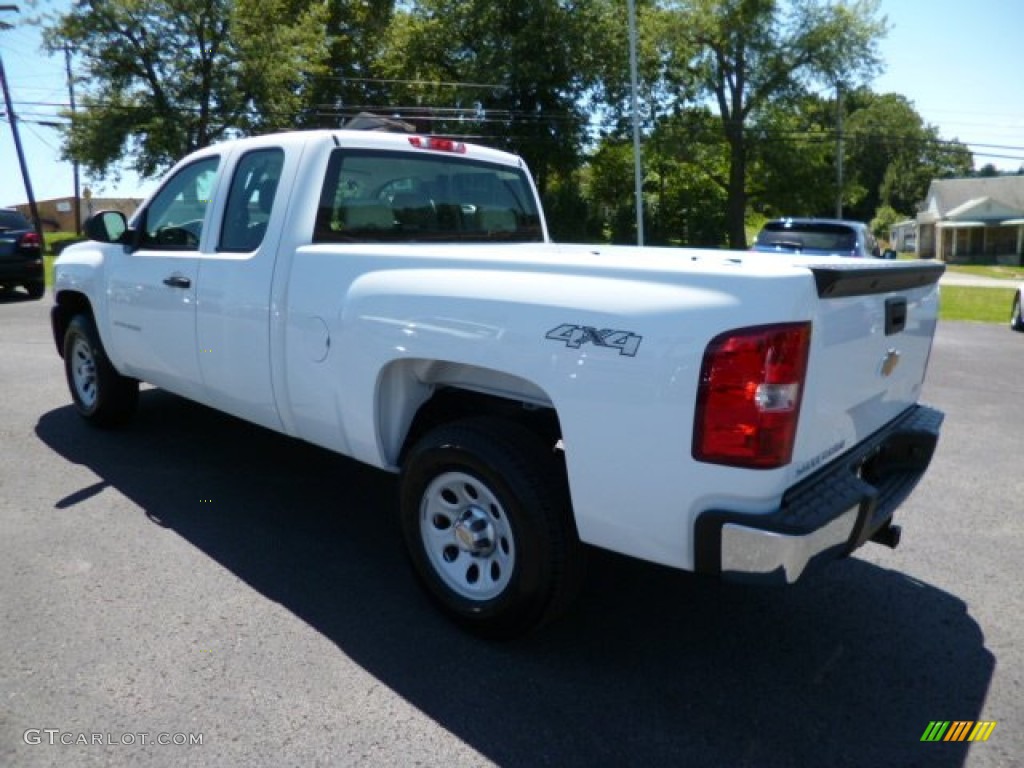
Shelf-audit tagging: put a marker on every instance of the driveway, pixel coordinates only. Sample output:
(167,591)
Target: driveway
(957,278)
(195,575)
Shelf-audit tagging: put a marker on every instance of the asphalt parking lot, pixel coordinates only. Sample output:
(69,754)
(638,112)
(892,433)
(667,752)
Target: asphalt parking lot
(194,576)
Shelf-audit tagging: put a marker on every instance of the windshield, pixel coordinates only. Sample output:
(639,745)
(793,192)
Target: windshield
(388,196)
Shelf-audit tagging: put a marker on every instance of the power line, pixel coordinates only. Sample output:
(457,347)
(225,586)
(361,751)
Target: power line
(400,81)
(504,116)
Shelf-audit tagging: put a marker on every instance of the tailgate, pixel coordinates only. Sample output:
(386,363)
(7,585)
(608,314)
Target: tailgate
(871,340)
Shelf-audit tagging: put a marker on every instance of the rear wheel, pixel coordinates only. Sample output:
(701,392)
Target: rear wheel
(486,521)
(101,395)
(36,290)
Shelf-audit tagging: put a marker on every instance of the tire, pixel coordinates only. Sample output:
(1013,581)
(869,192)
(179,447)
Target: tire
(488,528)
(1016,319)
(101,395)
(36,290)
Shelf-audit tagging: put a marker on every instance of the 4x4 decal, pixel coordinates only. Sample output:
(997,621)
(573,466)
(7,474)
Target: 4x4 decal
(575,336)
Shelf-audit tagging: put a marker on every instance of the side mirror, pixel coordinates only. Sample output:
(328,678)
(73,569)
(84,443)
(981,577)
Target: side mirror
(889,253)
(106,226)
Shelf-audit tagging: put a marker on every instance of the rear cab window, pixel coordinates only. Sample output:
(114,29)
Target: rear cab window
(373,195)
(13,220)
(822,236)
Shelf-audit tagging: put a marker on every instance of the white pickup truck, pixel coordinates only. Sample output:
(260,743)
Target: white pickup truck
(397,299)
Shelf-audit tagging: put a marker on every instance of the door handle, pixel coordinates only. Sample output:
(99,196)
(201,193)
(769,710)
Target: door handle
(177,281)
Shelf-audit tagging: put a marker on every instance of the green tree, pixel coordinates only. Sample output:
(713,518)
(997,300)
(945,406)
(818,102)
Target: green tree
(906,180)
(351,82)
(881,224)
(511,74)
(749,54)
(684,199)
(792,158)
(165,77)
(890,156)
(608,188)
(686,163)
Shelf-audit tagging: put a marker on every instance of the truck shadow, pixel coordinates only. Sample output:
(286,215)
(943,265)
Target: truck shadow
(652,667)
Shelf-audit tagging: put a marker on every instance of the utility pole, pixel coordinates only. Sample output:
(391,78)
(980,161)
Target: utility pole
(74,164)
(839,149)
(36,222)
(638,176)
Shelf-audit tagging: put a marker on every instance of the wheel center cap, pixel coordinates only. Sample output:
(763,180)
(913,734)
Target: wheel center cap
(474,532)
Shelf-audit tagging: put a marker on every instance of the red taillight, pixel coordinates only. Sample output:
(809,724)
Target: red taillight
(748,401)
(30,240)
(435,142)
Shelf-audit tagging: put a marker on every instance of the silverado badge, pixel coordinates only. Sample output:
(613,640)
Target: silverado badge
(889,362)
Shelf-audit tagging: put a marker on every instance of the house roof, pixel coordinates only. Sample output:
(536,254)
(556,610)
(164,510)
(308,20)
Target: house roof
(948,197)
(985,209)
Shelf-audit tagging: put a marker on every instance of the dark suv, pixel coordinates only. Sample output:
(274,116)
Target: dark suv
(818,237)
(21,255)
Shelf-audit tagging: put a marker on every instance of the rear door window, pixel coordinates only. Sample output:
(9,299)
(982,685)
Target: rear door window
(251,199)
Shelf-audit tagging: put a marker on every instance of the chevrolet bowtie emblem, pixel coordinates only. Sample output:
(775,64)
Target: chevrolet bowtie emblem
(889,362)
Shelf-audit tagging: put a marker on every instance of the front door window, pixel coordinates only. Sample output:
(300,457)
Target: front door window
(174,218)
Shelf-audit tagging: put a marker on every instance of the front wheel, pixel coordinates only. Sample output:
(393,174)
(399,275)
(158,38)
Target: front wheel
(101,395)
(487,525)
(36,290)
(1016,320)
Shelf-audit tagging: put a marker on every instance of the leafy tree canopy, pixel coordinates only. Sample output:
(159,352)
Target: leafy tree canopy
(747,55)
(512,74)
(166,77)
(737,97)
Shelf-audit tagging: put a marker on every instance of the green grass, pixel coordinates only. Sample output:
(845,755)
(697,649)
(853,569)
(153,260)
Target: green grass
(978,305)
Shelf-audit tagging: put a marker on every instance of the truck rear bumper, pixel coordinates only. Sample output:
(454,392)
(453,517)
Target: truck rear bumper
(827,515)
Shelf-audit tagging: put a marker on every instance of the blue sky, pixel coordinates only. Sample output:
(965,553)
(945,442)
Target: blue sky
(959,63)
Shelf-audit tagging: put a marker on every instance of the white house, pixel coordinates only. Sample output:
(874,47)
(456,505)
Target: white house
(979,220)
(903,236)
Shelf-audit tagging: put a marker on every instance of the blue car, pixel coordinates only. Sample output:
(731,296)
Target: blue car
(818,237)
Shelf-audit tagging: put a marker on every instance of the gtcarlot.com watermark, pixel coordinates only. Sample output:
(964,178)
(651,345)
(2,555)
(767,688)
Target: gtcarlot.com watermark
(55,736)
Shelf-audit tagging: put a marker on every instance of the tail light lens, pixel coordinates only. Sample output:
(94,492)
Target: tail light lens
(748,401)
(29,241)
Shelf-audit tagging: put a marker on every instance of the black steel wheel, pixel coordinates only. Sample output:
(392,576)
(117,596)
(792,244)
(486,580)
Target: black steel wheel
(487,524)
(101,395)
